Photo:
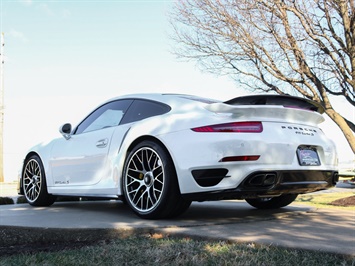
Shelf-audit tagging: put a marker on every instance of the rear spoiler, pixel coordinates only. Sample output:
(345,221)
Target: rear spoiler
(283,100)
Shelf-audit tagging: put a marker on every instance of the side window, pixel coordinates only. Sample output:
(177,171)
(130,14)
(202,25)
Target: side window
(108,115)
(141,109)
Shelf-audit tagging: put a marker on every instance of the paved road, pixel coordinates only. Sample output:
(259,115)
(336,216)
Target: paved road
(295,226)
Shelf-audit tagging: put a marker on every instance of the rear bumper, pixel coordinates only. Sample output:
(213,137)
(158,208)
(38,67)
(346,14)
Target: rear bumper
(200,158)
(272,183)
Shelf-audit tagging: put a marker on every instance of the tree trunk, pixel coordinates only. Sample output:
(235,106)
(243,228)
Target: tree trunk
(340,121)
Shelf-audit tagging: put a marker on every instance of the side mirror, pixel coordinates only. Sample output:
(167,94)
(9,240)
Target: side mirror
(65,130)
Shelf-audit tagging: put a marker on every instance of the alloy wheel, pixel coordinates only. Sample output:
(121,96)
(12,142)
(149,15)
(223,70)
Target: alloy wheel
(144,179)
(32,180)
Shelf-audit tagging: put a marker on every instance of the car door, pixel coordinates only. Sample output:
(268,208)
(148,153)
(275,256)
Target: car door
(82,159)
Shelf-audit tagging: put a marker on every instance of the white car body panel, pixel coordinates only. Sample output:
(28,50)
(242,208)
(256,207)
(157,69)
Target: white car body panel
(76,161)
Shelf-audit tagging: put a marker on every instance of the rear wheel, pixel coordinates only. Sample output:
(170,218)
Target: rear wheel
(272,203)
(34,183)
(150,183)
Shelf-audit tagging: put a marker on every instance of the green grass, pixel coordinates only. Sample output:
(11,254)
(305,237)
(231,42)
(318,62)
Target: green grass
(145,250)
(323,200)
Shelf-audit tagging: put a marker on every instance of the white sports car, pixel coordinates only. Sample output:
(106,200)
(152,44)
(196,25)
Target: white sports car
(159,152)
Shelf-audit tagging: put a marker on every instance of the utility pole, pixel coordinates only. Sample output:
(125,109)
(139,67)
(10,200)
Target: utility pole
(2,107)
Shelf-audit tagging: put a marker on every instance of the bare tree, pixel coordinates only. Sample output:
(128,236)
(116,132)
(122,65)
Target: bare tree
(292,47)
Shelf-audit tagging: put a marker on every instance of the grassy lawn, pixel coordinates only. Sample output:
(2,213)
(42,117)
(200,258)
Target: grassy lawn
(322,200)
(150,250)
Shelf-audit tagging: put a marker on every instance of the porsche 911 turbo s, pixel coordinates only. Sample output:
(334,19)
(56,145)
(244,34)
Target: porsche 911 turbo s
(160,152)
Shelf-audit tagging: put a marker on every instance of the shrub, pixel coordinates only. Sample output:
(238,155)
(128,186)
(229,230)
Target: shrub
(6,200)
(21,199)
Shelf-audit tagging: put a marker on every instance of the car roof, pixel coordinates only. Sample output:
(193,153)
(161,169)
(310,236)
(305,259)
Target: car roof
(167,98)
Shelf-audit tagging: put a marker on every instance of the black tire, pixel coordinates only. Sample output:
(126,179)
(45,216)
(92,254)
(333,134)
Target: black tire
(272,203)
(180,208)
(34,183)
(150,184)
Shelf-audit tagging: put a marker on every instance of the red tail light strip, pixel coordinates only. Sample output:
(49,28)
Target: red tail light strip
(240,158)
(236,127)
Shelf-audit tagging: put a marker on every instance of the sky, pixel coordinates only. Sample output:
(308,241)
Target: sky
(63,58)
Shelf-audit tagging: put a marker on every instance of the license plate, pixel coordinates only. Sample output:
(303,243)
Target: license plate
(308,156)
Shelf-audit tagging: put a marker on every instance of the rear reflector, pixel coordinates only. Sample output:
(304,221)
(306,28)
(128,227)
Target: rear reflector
(240,158)
(237,127)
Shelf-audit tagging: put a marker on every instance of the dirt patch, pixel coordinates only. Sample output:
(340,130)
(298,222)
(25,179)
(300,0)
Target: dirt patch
(344,202)
(15,240)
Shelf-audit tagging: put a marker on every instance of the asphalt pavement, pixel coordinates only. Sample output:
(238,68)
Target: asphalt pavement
(296,226)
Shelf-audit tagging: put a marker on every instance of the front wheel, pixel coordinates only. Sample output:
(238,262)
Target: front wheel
(150,183)
(34,183)
(272,203)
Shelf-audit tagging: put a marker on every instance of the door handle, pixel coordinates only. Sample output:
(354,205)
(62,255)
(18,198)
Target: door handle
(102,143)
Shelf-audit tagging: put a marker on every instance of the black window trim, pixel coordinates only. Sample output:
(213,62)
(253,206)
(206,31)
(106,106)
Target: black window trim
(76,128)
(74,132)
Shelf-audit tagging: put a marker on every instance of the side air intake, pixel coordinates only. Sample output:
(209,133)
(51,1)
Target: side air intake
(209,177)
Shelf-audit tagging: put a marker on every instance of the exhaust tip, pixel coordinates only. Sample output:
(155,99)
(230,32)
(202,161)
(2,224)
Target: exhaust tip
(262,180)
(335,178)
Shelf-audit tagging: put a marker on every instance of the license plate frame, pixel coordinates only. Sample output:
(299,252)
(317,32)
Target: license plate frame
(308,156)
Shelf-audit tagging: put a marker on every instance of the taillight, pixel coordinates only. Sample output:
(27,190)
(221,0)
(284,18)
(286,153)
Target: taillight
(237,127)
(242,158)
